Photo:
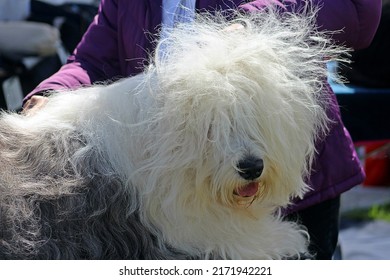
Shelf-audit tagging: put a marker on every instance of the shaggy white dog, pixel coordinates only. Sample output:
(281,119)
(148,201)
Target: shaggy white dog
(191,159)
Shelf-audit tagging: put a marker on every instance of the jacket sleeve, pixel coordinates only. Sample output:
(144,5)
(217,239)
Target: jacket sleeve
(95,57)
(353,21)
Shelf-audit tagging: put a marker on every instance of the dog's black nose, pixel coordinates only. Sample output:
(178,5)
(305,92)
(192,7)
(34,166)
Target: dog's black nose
(250,168)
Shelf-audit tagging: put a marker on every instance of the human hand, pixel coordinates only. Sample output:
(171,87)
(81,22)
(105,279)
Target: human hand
(34,104)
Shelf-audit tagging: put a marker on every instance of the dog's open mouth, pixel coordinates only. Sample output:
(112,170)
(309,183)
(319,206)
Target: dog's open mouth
(247,190)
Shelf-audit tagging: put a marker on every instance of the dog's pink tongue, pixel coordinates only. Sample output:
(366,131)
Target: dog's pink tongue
(248,190)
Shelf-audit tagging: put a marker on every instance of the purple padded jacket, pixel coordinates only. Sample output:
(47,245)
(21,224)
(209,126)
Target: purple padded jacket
(116,45)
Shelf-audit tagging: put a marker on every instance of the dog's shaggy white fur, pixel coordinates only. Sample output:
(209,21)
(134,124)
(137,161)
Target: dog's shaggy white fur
(191,159)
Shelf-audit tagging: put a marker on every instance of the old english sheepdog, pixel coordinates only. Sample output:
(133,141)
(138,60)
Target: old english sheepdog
(192,159)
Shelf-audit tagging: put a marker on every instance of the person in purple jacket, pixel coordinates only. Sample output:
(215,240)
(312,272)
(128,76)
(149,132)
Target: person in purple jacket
(123,34)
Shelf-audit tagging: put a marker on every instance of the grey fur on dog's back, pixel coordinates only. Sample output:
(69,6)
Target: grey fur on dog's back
(51,209)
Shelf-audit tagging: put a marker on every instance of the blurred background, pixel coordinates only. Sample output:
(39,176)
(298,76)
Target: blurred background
(35,39)
(365,106)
